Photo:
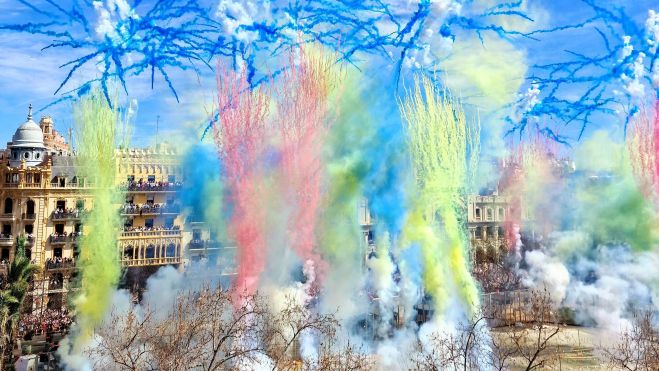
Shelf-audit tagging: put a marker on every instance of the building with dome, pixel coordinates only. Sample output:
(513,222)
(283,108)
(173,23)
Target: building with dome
(44,197)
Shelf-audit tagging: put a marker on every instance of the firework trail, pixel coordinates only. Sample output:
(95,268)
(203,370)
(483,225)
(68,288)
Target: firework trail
(303,122)
(643,149)
(240,138)
(99,259)
(442,145)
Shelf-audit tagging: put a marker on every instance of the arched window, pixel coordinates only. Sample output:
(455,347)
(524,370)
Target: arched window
(29,207)
(26,155)
(171,250)
(150,252)
(9,205)
(501,214)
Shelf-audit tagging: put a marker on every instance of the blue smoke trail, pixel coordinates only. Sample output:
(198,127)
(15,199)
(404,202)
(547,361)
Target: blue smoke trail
(126,39)
(583,88)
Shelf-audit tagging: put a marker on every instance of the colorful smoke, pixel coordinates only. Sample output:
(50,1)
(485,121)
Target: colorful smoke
(443,143)
(98,262)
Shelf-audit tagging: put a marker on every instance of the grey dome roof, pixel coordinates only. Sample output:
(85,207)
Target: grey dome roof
(29,134)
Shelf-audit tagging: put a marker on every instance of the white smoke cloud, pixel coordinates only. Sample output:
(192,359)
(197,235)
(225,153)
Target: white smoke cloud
(546,272)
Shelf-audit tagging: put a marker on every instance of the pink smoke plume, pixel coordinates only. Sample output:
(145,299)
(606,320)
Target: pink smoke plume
(643,147)
(239,134)
(303,123)
(528,165)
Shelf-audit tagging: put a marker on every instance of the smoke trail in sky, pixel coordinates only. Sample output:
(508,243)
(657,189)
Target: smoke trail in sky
(98,262)
(303,121)
(442,144)
(239,136)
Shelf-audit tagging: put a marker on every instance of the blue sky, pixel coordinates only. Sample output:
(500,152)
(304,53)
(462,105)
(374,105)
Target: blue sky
(31,75)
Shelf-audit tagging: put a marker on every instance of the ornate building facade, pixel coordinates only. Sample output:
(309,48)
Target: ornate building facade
(43,198)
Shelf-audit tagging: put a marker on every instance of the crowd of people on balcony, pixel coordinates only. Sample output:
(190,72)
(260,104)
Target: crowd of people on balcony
(58,262)
(131,208)
(142,185)
(47,322)
(60,213)
(60,237)
(56,282)
(151,229)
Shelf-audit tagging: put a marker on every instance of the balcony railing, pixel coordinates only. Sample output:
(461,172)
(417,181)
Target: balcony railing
(60,264)
(58,239)
(150,233)
(6,239)
(152,187)
(150,261)
(7,216)
(31,216)
(150,209)
(200,244)
(66,215)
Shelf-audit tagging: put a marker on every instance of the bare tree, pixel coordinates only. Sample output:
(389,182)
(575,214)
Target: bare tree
(638,347)
(532,343)
(215,329)
(124,342)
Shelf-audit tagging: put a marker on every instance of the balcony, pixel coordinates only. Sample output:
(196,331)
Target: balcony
(137,187)
(201,245)
(59,264)
(29,241)
(6,239)
(150,261)
(27,216)
(58,239)
(7,216)
(155,233)
(73,214)
(147,209)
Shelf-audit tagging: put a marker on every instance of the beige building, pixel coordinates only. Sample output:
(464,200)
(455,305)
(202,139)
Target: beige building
(44,198)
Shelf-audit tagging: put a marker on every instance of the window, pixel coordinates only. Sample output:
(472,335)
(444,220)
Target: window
(150,199)
(150,252)
(171,250)
(477,213)
(489,213)
(26,155)
(148,223)
(14,177)
(80,204)
(169,222)
(196,234)
(128,223)
(129,199)
(15,154)
(61,204)
(37,178)
(501,214)
(9,206)
(502,232)
(490,232)
(29,228)
(171,178)
(5,254)
(62,182)
(29,207)
(6,229)
(479,233)
(151,178)
(57,252)
(59,228)
(370,238)
(78,228)
(28,178)
(37,155)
